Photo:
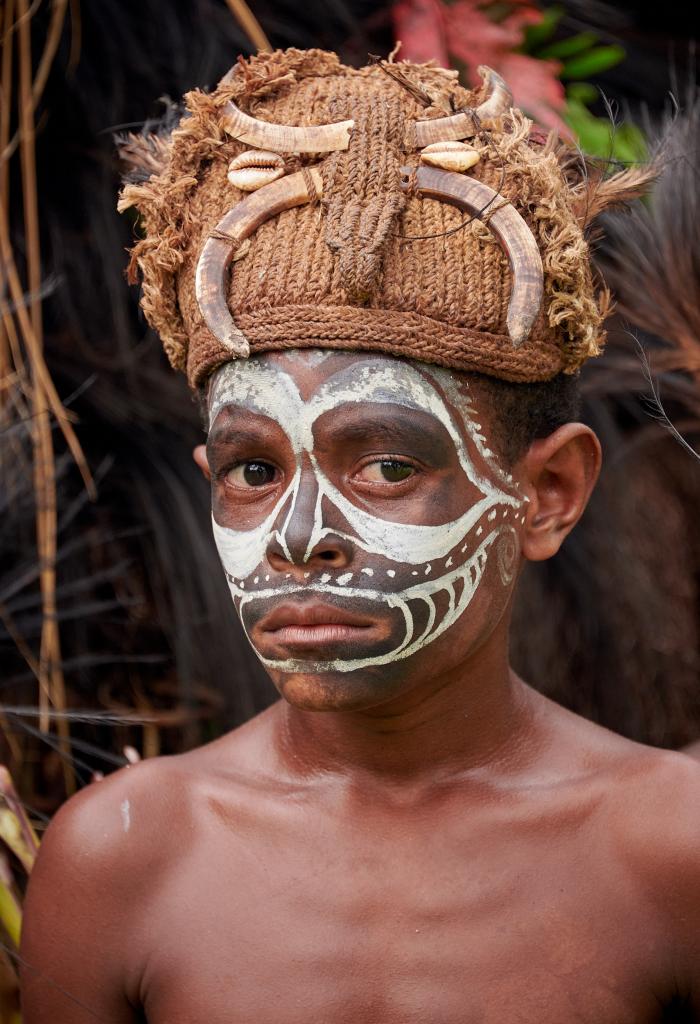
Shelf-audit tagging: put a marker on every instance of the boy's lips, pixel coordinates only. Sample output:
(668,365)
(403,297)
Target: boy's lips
(312,625)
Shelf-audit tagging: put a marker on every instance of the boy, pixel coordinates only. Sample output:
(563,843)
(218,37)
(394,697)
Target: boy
(379,284)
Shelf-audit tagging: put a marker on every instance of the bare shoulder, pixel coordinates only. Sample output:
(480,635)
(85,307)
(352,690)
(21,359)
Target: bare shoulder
(657,803)
(105,847)
(89,892)
(130,825)
(645,823)
(109,822)
(653,831)
(648,799)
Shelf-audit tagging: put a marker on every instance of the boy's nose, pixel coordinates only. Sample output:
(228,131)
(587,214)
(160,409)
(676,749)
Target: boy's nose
(300,539)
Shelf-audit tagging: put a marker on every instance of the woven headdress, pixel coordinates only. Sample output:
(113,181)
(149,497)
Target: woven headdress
(308,204)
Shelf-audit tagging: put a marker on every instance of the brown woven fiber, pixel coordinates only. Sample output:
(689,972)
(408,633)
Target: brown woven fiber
(369,266)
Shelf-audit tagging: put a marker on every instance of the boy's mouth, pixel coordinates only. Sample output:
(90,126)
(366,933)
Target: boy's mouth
(320,627)
(313,625)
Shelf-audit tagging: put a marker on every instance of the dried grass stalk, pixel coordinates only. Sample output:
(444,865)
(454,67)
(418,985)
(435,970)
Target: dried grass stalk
(249,23)
(23,368)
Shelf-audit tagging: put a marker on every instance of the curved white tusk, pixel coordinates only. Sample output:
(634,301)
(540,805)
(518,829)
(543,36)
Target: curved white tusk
(463,125)
(499,98)
(508,226)
(238,224)
(283,138)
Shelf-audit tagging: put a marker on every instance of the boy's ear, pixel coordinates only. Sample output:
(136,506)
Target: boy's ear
(200,457)
(559,473)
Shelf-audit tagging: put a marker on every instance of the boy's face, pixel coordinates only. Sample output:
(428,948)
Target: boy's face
(368,532)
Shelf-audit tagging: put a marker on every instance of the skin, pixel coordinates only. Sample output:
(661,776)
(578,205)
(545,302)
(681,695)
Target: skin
(425,839)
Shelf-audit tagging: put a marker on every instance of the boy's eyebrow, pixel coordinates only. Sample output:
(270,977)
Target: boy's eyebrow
(232,431)
(422,431)
(385,424)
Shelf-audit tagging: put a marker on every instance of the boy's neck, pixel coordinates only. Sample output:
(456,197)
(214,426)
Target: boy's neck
(478,714)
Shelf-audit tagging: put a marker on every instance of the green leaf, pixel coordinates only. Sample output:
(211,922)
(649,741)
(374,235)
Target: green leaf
(592,133)
(10,913)
(584,92)
(15,828)
(10,906)
(569,47)
(629,145)
(593,62)
(536,35)
(598,137)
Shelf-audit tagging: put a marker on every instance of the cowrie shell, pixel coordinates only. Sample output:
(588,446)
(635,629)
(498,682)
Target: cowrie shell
(254,168)
(450,156)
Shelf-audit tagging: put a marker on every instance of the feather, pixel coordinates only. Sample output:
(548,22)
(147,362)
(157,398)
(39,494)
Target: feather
(142,155)
(594,190)
(147,152)
(618,190)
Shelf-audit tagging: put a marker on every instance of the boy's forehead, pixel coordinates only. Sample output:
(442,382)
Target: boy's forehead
(275,381)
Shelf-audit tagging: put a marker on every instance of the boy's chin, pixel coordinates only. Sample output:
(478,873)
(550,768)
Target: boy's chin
(341,691)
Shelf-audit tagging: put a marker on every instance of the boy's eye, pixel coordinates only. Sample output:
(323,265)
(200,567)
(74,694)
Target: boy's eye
(386,471)
(251,474)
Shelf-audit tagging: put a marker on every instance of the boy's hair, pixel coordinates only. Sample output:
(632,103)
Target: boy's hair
(525,412)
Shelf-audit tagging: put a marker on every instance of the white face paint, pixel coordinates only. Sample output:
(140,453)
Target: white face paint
(411,564)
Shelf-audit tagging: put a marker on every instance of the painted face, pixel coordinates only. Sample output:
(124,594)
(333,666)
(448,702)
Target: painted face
(361,483)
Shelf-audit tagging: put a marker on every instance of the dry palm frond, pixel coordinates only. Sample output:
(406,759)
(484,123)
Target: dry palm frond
(621,640)
(652,257)
(138,595)
(21,338)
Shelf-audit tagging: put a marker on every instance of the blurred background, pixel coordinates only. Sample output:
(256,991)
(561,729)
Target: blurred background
(117,636)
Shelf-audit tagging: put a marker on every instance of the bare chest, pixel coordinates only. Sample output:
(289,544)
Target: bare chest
(406,926)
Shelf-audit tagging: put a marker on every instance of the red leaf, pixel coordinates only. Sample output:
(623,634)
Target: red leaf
(474,39)
(522,15)
(425,27)
(536,88)
(420,26)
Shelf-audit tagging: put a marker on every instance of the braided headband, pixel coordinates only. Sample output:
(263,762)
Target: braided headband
(262,173)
